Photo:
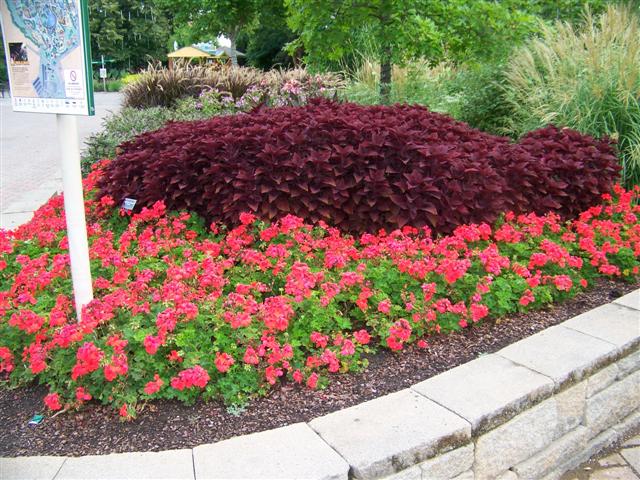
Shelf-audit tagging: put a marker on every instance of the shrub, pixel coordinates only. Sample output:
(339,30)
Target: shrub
(119,127)
(588,80)
(291,87)
(479,95)
(112,85)
(183,312)
(162,87)
(130,78)
(159,86)
(358,168)
(472,93)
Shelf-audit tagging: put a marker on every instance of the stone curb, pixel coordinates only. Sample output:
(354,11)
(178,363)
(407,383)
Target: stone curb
(534,409)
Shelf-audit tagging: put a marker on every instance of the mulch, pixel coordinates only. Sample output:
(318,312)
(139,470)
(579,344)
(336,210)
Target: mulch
(164,425)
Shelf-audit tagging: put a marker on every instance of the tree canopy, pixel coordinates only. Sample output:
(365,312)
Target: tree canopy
(129,32)
(404,29)
(264,43)
(210,18)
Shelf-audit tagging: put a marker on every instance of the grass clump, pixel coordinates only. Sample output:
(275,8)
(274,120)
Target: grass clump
(162,87)
(416,82)
(587,79)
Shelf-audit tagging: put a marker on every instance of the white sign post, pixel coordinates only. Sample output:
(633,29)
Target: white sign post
(74,211)
(103,75)
(49,61)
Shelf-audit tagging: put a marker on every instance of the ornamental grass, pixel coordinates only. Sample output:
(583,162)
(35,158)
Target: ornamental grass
(587,79)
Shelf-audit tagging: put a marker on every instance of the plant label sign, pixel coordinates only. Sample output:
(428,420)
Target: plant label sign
(36,420)
(129,203)
(46,43)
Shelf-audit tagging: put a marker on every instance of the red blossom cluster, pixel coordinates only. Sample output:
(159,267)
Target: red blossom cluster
(191,377)
(185,311)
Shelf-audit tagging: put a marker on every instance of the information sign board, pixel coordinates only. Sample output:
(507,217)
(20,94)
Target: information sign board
(48,55)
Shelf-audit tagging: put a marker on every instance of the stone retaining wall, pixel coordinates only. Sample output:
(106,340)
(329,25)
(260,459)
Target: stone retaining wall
(533,410)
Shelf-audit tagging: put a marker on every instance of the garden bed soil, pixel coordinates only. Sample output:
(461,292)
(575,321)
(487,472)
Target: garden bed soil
(164,425)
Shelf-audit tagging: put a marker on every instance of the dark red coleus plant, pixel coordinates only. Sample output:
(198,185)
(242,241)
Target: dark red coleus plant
(359,168)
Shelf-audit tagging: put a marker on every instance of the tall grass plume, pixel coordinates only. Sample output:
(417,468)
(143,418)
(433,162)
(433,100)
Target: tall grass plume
(586,78)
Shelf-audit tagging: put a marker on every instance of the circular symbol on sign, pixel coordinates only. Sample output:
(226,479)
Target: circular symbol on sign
(73,75)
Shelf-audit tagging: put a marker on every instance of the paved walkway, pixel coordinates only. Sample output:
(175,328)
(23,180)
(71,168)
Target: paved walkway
(30,156)
(622,464)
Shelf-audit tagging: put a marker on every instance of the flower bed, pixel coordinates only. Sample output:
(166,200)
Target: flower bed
(183,310)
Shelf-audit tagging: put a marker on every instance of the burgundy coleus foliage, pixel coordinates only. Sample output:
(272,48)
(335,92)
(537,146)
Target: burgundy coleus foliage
(360,168)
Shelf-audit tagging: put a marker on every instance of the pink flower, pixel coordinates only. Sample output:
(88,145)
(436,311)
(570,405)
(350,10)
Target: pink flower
(384,306)
(26,320)
(250,356)
(118,366)
(347,348)
(478,311)
(247,218)
(89,357)
(174,356)
(223,362)
(272,373)
(319,339)
(151,344)
(563,282)
(527,298)
(82,395)
(312,381)
(191,377)
(362,337)
(363,299)
(154,385)
(124,411)
(301,281)
(276,312)
(394,344)
(52,401)
(6,360)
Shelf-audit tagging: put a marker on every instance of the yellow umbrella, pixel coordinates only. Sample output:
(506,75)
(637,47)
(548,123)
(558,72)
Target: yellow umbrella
(187,52)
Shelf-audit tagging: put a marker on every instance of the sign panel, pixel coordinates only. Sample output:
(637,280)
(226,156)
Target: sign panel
(48,55)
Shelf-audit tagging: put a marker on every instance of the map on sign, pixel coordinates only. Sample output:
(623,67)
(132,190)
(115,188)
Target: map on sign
(47,55)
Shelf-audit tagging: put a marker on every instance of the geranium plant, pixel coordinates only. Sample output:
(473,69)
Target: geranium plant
(187,310)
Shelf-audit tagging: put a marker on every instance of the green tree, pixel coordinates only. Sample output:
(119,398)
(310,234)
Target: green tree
(129,32)
(106,27)
(326,28)
(267,40)
(566,10)
(148,27)
(210,18)
(403,29)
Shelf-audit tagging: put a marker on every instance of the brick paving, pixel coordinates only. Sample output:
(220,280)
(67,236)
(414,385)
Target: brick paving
(622,463)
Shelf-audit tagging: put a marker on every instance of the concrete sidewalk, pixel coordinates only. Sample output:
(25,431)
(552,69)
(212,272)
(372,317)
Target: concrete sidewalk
(30,156)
